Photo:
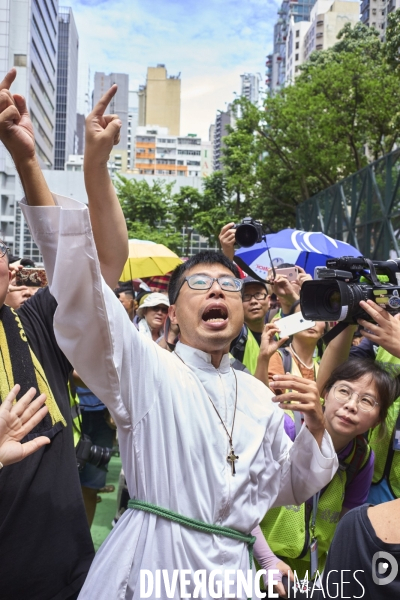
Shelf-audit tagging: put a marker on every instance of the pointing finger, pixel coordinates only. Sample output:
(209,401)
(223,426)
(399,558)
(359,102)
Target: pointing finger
(104,101)
(8,79)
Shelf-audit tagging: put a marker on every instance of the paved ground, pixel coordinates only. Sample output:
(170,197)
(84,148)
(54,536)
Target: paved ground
(105,510)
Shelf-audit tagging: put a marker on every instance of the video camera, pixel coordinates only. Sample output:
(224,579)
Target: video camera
(337,289)
(248,232)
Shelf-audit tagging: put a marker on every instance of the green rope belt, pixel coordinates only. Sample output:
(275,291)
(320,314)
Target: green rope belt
(195,524)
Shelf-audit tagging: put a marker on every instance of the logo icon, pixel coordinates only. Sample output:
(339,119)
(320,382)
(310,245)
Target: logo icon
(384,568)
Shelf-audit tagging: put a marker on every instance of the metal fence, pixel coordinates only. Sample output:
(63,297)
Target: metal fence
(363,209)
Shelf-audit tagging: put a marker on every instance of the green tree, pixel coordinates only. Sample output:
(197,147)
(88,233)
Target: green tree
(214,207)
(185,203)
(148,211)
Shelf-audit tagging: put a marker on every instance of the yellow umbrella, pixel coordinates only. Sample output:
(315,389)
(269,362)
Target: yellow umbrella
(147,259)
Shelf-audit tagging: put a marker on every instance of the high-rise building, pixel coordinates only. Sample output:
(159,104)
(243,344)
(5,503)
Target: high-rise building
(301,37)
(160,100)
(250,84)
(80,134)
(298,10)
(67,79)
(222,122)
(133,115)
(119,105)
(28,41)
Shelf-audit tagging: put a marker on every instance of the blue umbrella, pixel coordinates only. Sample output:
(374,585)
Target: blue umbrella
(304,249)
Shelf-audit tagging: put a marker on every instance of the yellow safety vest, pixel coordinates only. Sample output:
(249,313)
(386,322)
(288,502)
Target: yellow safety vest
(251,352)
(387,460)
(287,528)
(75,415)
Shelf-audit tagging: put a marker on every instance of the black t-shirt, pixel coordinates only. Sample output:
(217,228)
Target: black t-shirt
(45,543)
(353,562)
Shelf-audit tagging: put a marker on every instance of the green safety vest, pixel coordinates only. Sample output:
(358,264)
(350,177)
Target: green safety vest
(387,460)
(287,528)
(251,352)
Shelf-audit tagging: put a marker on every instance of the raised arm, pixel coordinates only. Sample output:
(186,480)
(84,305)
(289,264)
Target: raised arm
(336,353)
(108,221)
(16,133)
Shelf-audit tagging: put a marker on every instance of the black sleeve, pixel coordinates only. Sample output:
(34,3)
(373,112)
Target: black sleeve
(365,349)
(37,315)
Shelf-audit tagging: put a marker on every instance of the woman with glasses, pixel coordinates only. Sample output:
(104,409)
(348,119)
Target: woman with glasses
(152,314)
(356,397)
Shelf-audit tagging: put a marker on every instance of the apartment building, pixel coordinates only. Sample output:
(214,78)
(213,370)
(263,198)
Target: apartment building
(160,100)
(159,153)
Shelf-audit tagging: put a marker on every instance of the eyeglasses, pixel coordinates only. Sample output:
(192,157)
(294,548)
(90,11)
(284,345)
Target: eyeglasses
(162,307)
(258,296)
(343,393)
(205,282)
(3,249)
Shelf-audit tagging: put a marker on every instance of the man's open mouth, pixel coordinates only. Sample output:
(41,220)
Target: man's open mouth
(215,314)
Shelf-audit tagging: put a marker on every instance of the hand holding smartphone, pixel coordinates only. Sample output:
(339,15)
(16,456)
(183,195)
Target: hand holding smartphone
(31,277)
(293,324)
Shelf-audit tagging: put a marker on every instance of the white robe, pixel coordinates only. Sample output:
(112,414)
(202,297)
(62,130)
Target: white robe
(173,445)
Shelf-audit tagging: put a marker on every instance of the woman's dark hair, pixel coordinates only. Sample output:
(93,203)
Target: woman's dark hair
(207,257)
(355,368)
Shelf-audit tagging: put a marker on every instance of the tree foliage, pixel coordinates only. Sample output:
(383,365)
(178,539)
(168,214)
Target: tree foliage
(341,112)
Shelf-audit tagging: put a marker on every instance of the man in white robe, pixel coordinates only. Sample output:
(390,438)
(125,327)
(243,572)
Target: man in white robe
(173,411)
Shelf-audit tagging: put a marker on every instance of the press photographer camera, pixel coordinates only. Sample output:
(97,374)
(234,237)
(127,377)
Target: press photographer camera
(86,451)
(248,232)
(338,288)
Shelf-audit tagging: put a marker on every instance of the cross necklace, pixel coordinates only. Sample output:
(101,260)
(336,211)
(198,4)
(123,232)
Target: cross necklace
(232,457)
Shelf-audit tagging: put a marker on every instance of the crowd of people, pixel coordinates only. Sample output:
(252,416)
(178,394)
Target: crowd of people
(235,441)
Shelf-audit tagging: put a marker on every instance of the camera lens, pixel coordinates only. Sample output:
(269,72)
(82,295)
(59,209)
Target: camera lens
(246,235)
(332,300)
(99,456)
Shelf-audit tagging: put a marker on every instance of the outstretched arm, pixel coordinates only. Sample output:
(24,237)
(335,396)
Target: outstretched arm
(16,133)
(108,221)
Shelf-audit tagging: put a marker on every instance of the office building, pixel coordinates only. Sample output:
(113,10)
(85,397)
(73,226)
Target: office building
(222,122)
(28,42)
(67,80)
(250,84)
(159,153)
(119,105)
(160,100)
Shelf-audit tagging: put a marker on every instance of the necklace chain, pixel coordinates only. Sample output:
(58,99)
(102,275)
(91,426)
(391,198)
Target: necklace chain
(221,419)
(299,359)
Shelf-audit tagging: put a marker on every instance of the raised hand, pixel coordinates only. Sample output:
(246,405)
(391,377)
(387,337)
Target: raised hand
(102,131)
(386,331)
(16,421)
(227,240)
(16,130)
(304,396)
(269,345)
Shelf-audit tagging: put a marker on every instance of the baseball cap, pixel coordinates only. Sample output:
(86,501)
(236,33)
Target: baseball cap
(248,280)
(154,299)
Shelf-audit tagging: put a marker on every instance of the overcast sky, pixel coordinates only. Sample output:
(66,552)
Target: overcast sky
(210,43)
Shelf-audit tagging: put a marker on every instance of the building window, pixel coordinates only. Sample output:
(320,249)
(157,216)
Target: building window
(297,32)
(297,45)
(20,60)
(296,57)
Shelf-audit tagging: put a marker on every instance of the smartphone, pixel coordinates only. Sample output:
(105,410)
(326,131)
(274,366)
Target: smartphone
(31,277)
(293,324)
(290,272)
